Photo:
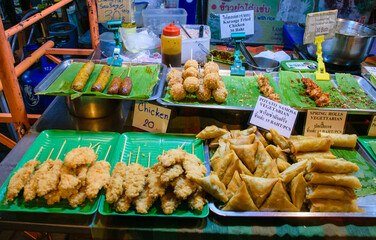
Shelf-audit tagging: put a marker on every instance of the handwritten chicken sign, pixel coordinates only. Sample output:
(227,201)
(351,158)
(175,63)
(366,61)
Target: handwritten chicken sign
(114,9)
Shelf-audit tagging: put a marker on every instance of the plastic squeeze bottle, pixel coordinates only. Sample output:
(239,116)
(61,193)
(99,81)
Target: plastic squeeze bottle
(171,46)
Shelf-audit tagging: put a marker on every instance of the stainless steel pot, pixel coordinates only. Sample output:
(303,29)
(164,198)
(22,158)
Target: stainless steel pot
(350,45)
(92,107)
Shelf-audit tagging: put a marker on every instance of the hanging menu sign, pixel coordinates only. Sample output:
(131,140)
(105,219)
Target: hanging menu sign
(270,114)
(324,121)
(114,10)
(237,22)
(372,127)
(320,23)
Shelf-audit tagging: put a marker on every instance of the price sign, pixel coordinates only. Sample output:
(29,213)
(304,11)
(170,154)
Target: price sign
(372,127)
(237,22)
(114,9)
(320,23)
(150,117)
(269,114)
(324,121)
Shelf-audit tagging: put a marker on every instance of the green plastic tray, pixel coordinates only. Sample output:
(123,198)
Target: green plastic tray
(364,141)
(54,139)
(154,144)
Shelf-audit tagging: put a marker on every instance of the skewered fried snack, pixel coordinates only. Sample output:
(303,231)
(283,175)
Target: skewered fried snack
(266,89)
(102,80)
(115,186)
(78,198)
(135,179)
(203,93)
(115,84)
(50,180)
(190,72)
(20,178)
(30,189)
(191,63)
(126,85)
(80,156)
(197,200)
(169,202)
(211,80)
(174,73)
(83,76)
(315,93)
(191,84)
(178,92)
(211,67)
(97,177)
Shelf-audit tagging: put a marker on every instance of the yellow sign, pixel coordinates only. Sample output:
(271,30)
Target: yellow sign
(320,23)
(114,10)
(150,117)
(372,127)
(324,121)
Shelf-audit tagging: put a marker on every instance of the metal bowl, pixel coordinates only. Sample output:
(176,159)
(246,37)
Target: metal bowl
(350,45)
(265,64)
(92,107)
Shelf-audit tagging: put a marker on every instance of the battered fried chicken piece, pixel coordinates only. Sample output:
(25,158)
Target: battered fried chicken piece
(78,198)
(135,179)
(194,167)
(53,197)
(20,178)
(144,201)
(30,189)
(266,89)
(81,174)
(171,173)
(80,156)
(197,200)
(183,187)
(156,187)
(115,186)
(123,204)
(69,182)
(169,202)
(50,180)
(97,177)
(171,157)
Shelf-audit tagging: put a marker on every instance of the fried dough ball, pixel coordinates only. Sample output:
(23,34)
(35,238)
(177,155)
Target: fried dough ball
(203,93)
(173,73)
(190,72)
(211,80)
(220,94)
(211,67)
(191,84)
(191,63)
(221,84)
(177,92)
(175,80)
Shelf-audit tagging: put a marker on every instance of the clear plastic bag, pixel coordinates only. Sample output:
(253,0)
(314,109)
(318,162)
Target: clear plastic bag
(136,40)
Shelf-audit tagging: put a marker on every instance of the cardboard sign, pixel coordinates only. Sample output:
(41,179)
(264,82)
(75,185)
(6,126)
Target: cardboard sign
(372,127)
(269,114)
(320,23)
(324,121)
(114,9)
(150,117)
(237,22)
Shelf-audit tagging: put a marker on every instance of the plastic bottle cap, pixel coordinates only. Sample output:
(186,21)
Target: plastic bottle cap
(171,30)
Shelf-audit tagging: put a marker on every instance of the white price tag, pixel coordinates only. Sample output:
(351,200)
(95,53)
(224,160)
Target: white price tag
(237,22)
(372,127)
(320,23)
(150,117)
(371,70)
(269,114)
(324,121)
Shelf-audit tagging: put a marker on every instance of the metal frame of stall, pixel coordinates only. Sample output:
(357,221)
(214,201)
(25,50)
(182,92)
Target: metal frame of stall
(9,73)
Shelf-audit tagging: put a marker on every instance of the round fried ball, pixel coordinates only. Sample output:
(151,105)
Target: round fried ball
(173,73)
(203,93)
(174,80)
(221,84)
(191,63)
(211,80)
(220,94)
(177,92)
(191,84)
(190,72)
(211,67)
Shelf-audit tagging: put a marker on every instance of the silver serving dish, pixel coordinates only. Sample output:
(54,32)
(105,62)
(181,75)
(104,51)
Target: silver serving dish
(367,87)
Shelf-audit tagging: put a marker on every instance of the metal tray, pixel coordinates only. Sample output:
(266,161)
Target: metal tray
(367,203)
(364,84)
(59,69)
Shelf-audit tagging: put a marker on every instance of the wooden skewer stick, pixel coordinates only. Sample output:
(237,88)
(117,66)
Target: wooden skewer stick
(149,160)
(138,152)
(122,72)
(170,66)
(193,148)
(191,53)
(163,152)
(90,145)
(107,153)
(129,69)
(50,153)
(96,151)
(301,74)
(38,153)
(122,154)
(112,62)
(95,145)
(92,56)
(129,159)
(57,157)
(182,145)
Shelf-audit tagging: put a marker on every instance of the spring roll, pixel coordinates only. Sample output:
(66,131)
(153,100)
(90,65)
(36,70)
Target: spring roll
(331,205)
(296,168)
(276,152)
(279,140)
(310,144)
(332,166)
(282,165)
(345,180)
(341,140)
(297,157)
(331,192)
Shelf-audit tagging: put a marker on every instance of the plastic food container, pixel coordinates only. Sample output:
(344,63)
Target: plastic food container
(158,18)
(188,44)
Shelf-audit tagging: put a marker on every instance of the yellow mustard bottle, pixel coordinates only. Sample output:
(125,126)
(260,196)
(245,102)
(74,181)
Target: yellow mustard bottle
(171,46)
